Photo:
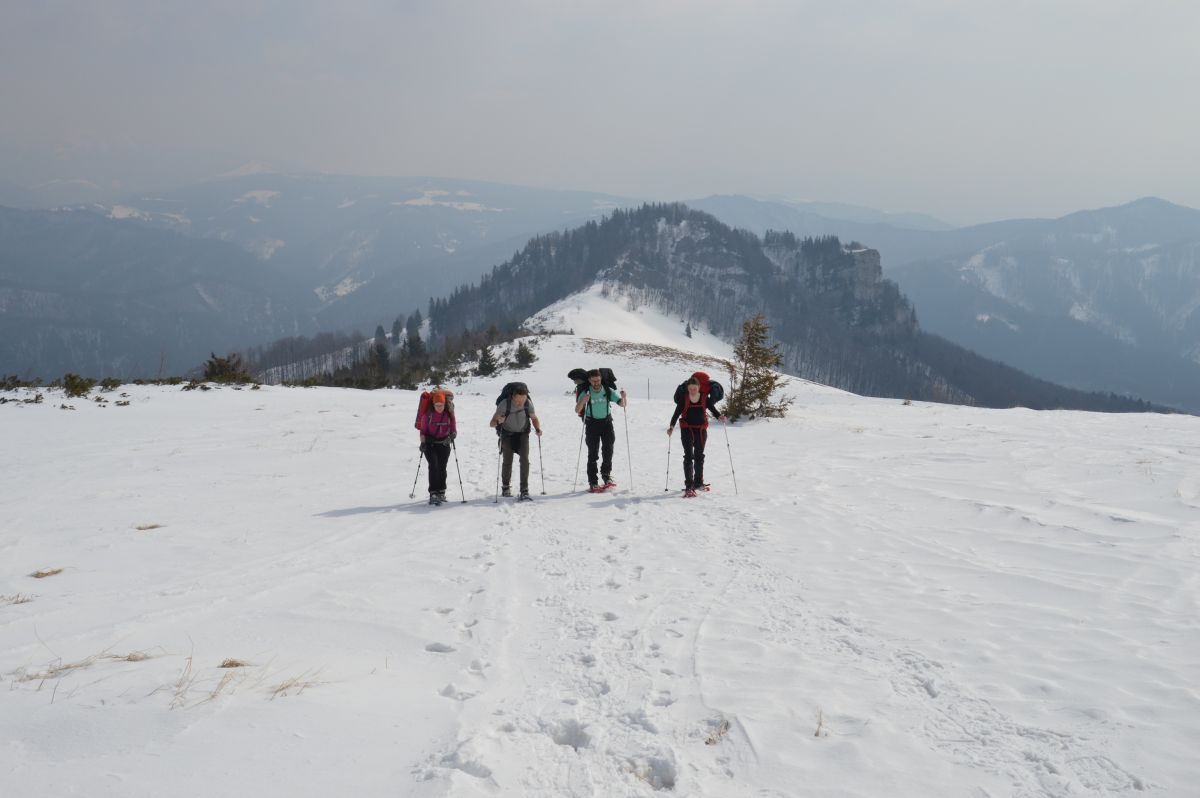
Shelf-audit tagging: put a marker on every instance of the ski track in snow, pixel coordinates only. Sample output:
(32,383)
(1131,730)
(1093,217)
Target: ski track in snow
(901,601)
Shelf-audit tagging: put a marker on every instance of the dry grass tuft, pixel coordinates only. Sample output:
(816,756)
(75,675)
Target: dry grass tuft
(58,668)
(145,527)
(183,684)
(233,663)
(718,733)
(821,730)
(662,354)
(45,573)
(19,598)
(225,680)
(294,686)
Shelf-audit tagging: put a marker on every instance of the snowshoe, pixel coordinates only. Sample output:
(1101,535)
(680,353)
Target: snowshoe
(524,496)
(506,491)
(689,494)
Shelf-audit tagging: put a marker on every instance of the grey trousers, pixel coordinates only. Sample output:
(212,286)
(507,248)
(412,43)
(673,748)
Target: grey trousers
(515,444)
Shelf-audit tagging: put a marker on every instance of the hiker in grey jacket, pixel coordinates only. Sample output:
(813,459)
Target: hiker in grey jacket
(514,418)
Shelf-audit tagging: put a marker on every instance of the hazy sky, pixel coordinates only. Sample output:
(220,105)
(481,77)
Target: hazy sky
(968,110)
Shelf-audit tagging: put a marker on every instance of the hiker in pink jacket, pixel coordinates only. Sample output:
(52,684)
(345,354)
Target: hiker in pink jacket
(438,429)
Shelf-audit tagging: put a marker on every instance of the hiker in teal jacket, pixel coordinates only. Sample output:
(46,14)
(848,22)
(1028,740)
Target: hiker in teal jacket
(595,403)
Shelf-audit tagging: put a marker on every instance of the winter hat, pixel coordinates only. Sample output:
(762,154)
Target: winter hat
(438,396)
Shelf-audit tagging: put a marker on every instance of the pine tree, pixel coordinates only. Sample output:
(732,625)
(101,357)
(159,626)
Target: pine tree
(752,375)
(414,323)
(225,369)
(417,352)
(487,362)
(525,355)
(377,364)
(688,330)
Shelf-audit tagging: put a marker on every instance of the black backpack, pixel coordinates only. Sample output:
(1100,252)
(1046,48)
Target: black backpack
(580,376)
(506,397)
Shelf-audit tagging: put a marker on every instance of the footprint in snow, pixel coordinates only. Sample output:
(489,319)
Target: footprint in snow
(439,648)
(453,693)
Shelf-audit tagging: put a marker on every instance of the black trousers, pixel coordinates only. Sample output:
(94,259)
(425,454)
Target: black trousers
(693,440)
(438,455)
(600,439)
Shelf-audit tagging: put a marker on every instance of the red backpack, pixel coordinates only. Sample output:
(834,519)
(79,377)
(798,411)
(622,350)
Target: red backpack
(426,405)
(709,389)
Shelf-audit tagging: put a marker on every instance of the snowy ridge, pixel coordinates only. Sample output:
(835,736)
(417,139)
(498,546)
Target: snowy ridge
(898,600)
(607,312)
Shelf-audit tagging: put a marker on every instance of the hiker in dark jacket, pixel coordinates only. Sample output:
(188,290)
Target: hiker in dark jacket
(594,403)
(692,415)
(438,429)
(514,417)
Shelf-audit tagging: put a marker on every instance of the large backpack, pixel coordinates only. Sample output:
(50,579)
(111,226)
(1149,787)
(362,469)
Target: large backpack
(580,377)
(506,396)
(709,389)
(608,379)
(426,405)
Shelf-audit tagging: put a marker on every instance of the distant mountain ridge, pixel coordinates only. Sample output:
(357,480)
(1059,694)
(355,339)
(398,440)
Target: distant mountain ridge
(1101,300)
(82,293)
(316,253)
(366,248)
(837,320)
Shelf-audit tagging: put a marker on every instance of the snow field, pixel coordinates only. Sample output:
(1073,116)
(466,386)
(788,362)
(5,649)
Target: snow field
(902,600)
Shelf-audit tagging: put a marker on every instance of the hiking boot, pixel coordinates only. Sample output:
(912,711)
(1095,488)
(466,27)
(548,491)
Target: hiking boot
(523,496)
(609,483)
(689,494)
(506,491)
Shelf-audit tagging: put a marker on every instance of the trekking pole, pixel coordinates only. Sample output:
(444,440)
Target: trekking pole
(628,454)
(541,465)
(412,494)
(667,486)
(454,449)
(577,456)
(730,450)
(499,454)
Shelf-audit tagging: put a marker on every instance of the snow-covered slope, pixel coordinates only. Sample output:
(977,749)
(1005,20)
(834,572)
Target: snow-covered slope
(607,313)
(899,600)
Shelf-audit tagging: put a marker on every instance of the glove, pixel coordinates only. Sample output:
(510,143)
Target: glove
(453,435)
(422,447)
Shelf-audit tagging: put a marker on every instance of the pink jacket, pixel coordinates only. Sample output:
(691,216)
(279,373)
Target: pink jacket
(437,426)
